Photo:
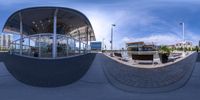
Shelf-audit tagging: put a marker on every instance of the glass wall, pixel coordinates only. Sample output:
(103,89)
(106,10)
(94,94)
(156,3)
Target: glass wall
(62,45)
(40,46)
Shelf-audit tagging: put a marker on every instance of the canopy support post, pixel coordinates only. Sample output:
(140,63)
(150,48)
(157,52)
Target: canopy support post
(54,50)
(21,34)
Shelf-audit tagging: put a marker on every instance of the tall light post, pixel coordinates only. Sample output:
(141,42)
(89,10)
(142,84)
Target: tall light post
(183,30)
(183,33)
(103,44)
(113,25)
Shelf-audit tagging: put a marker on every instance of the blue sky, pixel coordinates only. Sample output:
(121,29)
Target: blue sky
(154,21)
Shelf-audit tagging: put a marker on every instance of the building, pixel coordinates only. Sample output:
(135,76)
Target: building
(96,45)
(49,32)
(52,49)
(171,46)
(140,46)
(199,43)
(5,40)
(186,44)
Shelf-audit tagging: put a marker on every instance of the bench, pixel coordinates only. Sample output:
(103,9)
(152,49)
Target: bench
(118,55)
(142,57)
(121,56)
(174,56)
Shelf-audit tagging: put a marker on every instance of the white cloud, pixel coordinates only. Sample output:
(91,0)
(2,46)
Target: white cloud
(195,38)
(101,20)
(101,24)
(160,39)
(126,18)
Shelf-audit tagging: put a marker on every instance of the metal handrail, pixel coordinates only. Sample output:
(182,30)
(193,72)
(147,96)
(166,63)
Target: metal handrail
(27,48)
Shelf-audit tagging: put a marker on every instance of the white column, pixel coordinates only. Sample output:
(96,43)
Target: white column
(111,39)
(74,45)
(87,40)
(21,34)
(29,45)
(89,35)
(79,40)
(54,52)
(67,46)
(39,51)
(15,46)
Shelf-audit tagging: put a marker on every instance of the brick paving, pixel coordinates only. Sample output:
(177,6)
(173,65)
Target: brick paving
(93,86)
(126,77)
(47,73)
(198,58)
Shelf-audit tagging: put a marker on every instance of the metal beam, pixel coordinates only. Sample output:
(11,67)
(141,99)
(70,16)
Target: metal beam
(74,45)
(54,50)
(39,39)
(87,39)
(67,46)
(21,34)
(29,53)
(79,40)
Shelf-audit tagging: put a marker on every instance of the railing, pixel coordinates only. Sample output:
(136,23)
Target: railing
(40,46)
(129,53)
(4,48)
(154,53)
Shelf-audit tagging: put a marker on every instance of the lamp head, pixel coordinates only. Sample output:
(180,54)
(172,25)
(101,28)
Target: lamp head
(113,25)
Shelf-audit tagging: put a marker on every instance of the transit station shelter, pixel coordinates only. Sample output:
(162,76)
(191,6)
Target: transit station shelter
(49,32)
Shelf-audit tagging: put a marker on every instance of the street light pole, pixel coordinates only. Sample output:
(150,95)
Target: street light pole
(103,45)
(183,33)
(113,25)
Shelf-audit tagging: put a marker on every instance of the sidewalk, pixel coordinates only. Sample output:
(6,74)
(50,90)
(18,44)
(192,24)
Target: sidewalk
(93,86)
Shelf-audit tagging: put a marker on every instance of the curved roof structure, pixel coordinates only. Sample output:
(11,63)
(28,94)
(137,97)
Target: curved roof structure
(59,35)
(40,20)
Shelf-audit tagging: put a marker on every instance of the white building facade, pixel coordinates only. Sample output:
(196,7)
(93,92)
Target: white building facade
(186,44)
(5,40)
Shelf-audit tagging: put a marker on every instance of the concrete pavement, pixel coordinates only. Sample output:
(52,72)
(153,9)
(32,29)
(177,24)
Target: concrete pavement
(149,80)
(93,86)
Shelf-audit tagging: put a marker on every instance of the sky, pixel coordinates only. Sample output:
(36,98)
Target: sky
(151,21)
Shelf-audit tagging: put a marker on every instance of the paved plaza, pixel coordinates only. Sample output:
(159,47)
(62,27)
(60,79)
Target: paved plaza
(94,85)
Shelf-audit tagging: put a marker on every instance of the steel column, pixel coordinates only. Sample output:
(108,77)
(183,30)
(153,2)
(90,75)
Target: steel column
(21,34)
(79,40)
(67,46)
(54,52)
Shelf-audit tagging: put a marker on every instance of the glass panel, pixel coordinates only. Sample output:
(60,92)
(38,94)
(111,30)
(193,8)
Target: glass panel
(76,47)
(61,46)
(71,47)
(25,46)
(40,45)
(46,45)
(81,49)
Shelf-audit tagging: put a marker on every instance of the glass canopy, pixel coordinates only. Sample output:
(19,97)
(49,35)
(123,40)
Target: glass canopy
(49,32)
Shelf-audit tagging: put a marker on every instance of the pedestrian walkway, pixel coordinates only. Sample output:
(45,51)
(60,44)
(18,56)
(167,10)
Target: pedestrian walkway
(93,86)
(148,80)
(95,74)
(198,58)
(47,72)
